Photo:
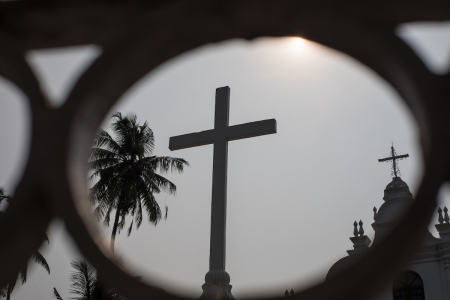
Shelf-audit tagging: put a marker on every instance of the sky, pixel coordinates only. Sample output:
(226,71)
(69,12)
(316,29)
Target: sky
(292,196)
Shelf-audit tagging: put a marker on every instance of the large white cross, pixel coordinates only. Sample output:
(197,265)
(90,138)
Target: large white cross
(219,137)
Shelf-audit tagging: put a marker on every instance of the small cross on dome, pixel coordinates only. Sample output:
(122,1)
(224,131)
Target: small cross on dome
(394,157)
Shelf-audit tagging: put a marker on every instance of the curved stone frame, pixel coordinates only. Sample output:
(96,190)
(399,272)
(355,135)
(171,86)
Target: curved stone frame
(148,34)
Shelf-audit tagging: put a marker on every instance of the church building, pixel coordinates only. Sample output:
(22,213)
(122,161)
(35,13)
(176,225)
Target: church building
(427,276)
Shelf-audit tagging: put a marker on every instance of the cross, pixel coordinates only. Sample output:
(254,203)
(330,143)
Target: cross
(394,157)
(219,137)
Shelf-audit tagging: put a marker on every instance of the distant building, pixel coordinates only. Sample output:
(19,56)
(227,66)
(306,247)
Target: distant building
(427,276)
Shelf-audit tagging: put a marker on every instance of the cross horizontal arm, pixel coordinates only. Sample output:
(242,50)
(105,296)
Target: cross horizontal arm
(385,159)
(252,129)
(191,140)
(395,157)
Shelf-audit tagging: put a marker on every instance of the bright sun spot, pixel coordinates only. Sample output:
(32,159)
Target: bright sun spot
(296,44)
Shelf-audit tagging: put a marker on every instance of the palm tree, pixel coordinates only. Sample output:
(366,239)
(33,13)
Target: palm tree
(3,196)
(37,257)
(126,172)
(86,286)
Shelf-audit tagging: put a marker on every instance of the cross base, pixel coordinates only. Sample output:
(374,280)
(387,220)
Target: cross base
(217,286)
(216,291)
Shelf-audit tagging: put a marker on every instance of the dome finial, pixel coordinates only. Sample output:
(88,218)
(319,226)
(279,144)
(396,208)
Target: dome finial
(440,218)
(361,229)
(446,217)
(394,157)
(355,229)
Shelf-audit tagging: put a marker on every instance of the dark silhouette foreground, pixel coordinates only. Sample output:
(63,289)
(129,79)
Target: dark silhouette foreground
(36,257)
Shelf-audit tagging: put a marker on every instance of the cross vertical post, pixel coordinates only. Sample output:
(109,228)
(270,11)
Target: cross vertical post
(394,165)
(219,182)
(217,279)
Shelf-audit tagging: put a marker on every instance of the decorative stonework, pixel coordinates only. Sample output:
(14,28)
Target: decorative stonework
(216,291)
(217,276)
(444,232)
(360,241)
(217,286)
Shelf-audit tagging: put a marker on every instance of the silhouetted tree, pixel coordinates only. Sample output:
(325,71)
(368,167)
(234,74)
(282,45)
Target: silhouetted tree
(36,257)
(3,196)
(127,174)
(85,285)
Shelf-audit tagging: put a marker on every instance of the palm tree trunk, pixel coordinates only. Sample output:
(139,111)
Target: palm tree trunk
(114,231)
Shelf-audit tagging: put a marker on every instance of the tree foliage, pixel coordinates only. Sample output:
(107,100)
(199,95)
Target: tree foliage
(86,286)
(127,174)
(36,257)
(3,196)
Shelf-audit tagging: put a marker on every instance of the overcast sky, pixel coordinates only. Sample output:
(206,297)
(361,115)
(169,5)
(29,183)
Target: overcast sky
(292,196)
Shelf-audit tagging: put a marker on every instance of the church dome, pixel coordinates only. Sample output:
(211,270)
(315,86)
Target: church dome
(396,189)
(342,265)
(392,211)
(398,200)
(396,183)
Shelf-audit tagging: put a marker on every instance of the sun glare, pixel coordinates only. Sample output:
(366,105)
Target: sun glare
(296,44)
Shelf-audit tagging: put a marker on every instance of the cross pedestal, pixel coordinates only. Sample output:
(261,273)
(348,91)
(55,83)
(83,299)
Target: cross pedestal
(217,281)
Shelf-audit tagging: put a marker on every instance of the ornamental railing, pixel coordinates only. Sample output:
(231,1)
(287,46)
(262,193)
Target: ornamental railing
(138,36)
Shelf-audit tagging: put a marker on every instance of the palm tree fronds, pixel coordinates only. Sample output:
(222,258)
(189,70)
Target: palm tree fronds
(103,139)
(56,294)
(108,216)
(37,257)
(3,196)
(103,163)
(23,274)
(121,224)
(150,204)
(126,173)
(166,163)
(138,216)
(130,228)
(40,260)
(3,291)
(164,184)
(83,280)
(8,289)
(87,286)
